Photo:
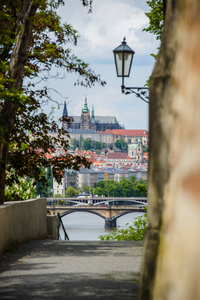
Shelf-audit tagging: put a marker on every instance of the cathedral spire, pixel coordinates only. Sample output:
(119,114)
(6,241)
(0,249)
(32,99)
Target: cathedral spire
(65,113)
(85,107)
(92,111)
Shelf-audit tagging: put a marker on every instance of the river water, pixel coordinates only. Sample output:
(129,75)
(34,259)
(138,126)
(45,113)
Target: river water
(84,226)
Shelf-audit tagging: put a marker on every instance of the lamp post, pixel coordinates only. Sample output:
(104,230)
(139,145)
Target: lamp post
(123,55)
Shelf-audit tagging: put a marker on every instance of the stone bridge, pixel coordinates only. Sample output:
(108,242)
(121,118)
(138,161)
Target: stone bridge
(109,213)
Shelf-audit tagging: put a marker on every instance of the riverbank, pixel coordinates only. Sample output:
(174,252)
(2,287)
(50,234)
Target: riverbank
(50,269)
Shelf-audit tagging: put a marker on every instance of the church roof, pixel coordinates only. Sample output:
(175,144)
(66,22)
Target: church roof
(117,155)
(77,119)
(98,119)
(104,119)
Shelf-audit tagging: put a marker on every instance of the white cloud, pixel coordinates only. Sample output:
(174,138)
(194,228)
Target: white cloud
(104,29)
(101,32)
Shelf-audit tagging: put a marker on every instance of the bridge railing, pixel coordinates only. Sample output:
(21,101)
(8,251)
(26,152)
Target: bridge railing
(60,222)
(95,201)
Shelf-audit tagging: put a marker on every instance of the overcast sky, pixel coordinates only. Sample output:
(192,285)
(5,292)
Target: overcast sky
(102,31)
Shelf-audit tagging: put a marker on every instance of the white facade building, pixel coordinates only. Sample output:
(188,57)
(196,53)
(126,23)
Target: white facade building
(59,188)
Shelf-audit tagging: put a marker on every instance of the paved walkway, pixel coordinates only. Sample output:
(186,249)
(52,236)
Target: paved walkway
(49,269)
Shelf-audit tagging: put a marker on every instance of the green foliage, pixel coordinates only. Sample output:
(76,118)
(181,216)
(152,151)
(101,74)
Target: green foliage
(81,141)
(99,146)
(87,144)
(71,192)
(44,190)
(145,148)
(31,48)
(86,188)
(142,188)
(74,143)
(121,144)
(125,188)
(135,232)
(156,21)
(58,195)
(22,190)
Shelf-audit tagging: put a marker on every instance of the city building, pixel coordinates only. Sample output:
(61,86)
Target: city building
(118,157)
(86,177)
(59,188)
(128,135)
(135,150)
(71,178)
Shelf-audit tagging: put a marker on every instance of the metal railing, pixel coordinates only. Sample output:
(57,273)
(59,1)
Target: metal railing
(59,222)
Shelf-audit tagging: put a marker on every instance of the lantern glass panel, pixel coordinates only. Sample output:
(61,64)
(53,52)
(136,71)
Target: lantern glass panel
(127,63)
(118,63)
(123,67)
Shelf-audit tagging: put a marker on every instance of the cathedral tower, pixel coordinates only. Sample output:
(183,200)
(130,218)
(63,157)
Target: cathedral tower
(85,116)
(93,124)
(65,125)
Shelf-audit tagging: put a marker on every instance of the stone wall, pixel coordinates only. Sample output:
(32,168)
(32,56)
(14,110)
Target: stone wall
(22,221)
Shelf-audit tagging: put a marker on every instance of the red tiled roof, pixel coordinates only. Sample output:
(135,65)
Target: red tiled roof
(98,162)
(117,155)
(127,132)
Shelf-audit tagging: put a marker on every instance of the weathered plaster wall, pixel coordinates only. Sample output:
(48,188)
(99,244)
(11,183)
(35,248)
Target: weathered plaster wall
(171,265)
(22,221)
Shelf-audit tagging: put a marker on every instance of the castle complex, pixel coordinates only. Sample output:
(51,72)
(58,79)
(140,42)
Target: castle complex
(90,122)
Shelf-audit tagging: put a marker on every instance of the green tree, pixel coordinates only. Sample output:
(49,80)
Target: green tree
(121,144)
(81,141)
(87,144)
(86,188)
(99,191)
(44,190)
(99,145)
(142,188)
(145,148)
(133,178)
(74,143)
(33,40)
(125,188)
(58,195)
(71,192)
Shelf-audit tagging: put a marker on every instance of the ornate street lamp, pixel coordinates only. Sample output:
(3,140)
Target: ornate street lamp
(123,55)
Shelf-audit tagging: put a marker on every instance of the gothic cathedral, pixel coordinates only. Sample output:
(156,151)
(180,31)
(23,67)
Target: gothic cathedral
(87,122)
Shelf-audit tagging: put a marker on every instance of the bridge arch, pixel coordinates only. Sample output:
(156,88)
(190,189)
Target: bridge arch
(125,213)
(81,210)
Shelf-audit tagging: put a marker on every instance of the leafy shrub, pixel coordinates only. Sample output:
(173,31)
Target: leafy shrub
(135,232)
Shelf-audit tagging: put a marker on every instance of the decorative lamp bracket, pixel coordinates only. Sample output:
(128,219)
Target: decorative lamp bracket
(141,92)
